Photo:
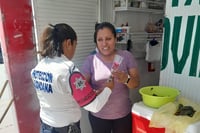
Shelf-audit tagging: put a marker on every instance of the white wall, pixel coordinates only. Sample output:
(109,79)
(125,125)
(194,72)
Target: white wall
(180,68)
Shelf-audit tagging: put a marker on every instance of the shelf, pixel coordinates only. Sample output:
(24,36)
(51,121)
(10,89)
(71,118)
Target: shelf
(145,33)
(121,13)
(142,10)
(144,36)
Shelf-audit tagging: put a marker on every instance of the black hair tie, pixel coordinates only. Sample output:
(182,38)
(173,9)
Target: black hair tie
(52,25)
(55,38)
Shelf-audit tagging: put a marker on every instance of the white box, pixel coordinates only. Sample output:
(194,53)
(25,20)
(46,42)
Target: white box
(146,112)
(123,34)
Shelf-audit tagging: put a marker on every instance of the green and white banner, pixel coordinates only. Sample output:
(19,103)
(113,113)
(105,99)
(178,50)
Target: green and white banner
(180,64)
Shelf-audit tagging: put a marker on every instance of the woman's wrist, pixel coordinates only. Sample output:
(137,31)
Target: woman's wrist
(127,80)
(98,91)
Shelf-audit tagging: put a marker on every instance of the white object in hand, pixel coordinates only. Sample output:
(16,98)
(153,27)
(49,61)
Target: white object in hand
(116,63)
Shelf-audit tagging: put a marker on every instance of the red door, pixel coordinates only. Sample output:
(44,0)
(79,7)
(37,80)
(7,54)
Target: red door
(16,32)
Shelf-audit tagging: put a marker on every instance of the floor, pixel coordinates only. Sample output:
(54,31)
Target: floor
(8,124)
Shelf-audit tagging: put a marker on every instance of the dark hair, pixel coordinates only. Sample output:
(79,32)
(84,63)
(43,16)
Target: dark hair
(96,25)
(104,25)
(53,37)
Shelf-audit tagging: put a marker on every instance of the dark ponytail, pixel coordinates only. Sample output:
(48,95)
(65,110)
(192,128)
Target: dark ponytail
(53,38)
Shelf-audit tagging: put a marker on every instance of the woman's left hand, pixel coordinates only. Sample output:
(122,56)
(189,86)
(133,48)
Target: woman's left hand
(120,76)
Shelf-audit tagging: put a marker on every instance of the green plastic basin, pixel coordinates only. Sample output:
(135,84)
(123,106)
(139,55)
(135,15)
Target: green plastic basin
(156,96)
